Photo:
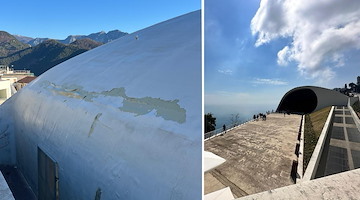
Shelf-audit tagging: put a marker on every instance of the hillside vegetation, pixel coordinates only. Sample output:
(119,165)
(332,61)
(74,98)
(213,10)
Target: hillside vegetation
(9,44)
(314,124)
(356,107)
(41,54)
(46,55)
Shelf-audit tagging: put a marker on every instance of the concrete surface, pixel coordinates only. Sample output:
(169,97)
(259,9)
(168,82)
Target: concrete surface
(211,160)
(339,186)
(5,192)
(300,168)
(17,184)
(130,130)
(258,155)
(324,98)
(223,194)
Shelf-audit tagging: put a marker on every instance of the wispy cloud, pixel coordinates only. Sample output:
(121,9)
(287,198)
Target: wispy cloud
(225,71)
(269,81)
(321,32)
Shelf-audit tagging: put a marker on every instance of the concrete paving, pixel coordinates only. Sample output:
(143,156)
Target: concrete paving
(258,156)
(5,192)
(17,183)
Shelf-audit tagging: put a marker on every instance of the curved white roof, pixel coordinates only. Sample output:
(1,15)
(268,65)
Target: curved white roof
(124,117)
(307,99)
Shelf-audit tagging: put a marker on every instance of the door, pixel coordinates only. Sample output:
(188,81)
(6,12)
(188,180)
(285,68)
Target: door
(48,177)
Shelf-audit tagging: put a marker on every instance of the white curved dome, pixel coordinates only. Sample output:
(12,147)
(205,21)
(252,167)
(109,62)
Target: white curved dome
(124,117)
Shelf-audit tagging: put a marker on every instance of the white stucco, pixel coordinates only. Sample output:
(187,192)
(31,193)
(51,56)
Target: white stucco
(223,194)
(124,117)
(211,160)
(5,90)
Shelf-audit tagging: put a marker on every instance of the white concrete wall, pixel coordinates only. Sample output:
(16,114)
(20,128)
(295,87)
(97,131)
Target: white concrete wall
(352,100)
(328,97)
(11,79)
(7,136)
(124,117)
(325,97)
(5,90)
(5,85)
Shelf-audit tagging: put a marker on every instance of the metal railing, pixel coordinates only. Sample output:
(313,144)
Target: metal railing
(21,71)
(227,128)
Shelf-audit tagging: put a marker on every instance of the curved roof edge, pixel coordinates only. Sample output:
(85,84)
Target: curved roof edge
(307,99)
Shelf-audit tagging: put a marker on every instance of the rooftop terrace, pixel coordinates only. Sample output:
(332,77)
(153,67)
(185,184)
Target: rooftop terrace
(258,155)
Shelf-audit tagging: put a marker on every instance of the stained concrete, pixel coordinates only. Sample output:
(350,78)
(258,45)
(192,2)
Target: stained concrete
(258,156)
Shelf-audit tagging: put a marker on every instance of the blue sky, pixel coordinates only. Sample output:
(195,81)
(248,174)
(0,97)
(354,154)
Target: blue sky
(58,19)
(254,54)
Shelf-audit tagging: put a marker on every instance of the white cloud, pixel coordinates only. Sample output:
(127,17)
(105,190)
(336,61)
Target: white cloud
(284,56)
(269,81)
(322,77)
(225,71)
(321,32)
(339,59)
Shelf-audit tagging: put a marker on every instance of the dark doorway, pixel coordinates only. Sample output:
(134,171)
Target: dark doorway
(48,177)
(301,101)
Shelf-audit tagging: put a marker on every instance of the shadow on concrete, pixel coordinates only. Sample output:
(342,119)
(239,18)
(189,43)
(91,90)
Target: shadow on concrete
(17,183)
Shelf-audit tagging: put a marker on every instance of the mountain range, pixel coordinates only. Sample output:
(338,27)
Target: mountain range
(102,37)
(41,54)
(9,44)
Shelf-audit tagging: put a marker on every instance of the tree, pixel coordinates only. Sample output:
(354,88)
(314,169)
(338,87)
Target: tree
(352,86)
(210,122)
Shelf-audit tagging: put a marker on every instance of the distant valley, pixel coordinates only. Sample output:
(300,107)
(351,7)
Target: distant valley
(41,54)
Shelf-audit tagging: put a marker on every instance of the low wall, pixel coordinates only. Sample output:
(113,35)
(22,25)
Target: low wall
(313,165)
(300,168)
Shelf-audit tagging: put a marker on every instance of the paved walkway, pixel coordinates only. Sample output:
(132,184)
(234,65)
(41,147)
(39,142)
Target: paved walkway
(5,192)
(17,183)
(344,148)
(258,155)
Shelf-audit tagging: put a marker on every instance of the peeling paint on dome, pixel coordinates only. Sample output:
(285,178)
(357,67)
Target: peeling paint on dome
(167,109)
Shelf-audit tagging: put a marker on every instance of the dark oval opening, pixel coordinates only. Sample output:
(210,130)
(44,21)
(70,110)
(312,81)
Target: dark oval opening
(300,101)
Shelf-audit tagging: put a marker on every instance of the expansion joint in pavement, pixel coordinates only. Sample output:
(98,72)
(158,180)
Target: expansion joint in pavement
(238,192)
